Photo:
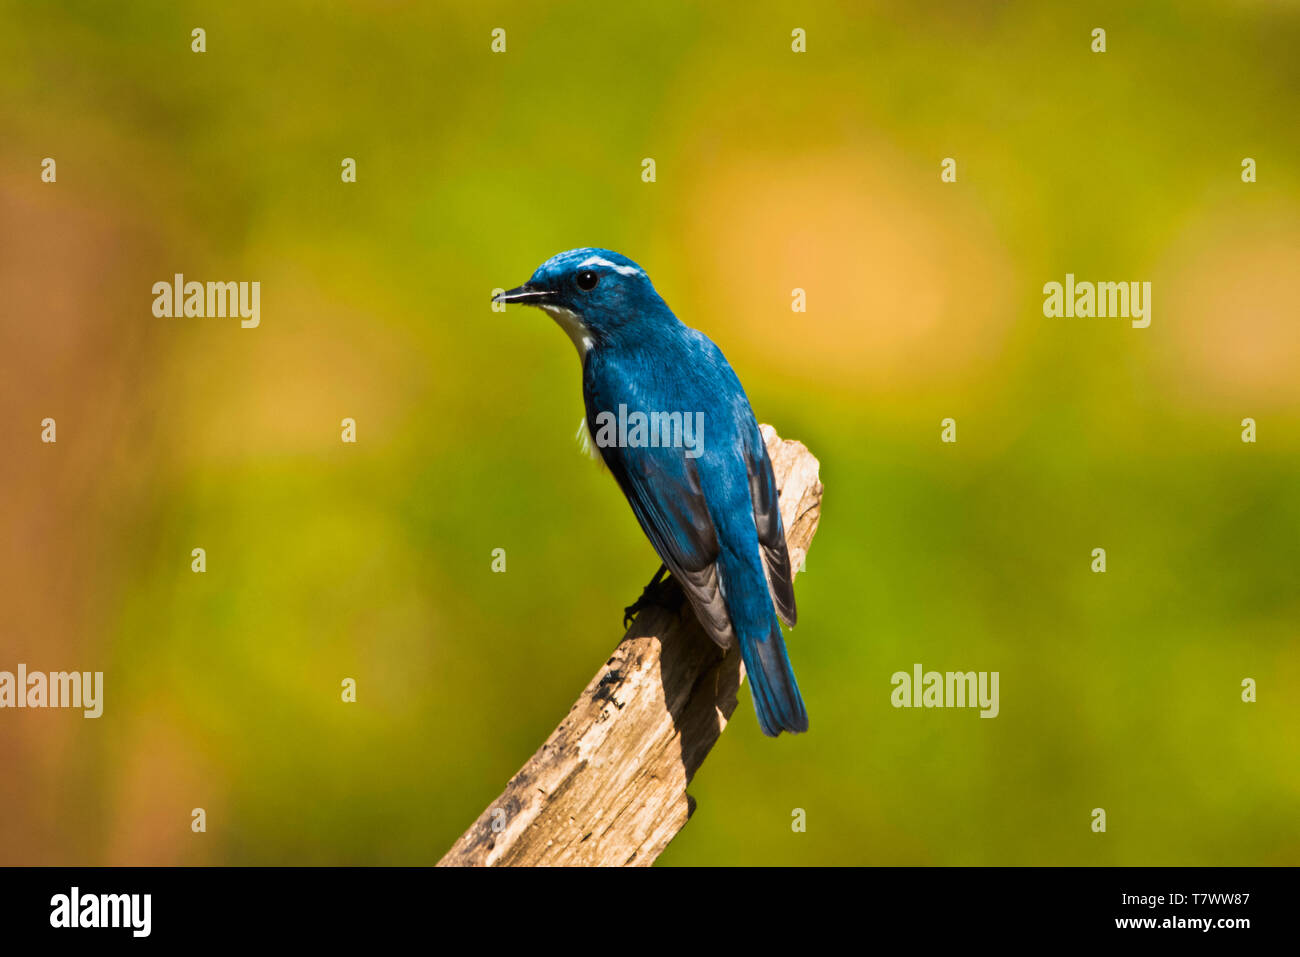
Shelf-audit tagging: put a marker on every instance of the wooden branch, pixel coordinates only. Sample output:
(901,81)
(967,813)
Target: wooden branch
(609,785)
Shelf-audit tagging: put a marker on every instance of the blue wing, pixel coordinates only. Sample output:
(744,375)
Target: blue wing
(665,490)
(663,487)
(771,532)
(714,520)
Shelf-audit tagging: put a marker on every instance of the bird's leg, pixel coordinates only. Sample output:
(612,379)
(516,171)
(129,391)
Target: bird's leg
(652,594)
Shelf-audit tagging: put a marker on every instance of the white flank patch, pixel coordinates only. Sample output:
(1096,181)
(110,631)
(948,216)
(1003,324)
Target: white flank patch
(587,442)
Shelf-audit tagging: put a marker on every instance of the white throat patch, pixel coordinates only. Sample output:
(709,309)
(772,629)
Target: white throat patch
(568,321)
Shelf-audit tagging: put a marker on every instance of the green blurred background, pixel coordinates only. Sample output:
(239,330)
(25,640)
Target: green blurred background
(775,170)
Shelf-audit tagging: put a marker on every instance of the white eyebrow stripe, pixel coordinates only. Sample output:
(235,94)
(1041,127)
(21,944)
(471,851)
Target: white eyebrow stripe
(601,261)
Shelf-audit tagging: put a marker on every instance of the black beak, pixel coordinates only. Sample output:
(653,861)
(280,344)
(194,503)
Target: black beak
(528,294)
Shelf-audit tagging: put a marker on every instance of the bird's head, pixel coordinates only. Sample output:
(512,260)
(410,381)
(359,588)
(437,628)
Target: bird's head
(595,295)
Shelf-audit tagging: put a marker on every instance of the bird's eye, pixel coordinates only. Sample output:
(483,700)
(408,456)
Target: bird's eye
(587,279)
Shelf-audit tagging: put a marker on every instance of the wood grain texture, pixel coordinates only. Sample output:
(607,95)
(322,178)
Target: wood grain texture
(608,787)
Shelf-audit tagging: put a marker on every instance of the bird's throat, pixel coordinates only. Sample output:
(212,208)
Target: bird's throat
(569,321)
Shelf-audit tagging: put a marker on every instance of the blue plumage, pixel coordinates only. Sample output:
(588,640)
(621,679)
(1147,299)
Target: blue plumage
(706,501)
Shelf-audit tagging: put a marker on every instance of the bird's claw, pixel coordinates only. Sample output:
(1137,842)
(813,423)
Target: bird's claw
(629,613)
(652,594)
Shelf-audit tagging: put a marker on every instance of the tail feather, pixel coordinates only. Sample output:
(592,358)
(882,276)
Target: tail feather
(753,617)
(771,678)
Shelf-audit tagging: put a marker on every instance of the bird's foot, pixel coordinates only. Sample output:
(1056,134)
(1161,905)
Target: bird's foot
(660,592)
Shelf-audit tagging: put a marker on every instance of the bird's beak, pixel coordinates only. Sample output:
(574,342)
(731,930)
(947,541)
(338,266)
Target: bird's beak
(528,294)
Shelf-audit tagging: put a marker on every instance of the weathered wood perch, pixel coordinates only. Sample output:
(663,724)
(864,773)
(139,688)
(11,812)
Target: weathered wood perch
(609,785)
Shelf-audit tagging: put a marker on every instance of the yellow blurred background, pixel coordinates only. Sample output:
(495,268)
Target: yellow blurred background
(774,170)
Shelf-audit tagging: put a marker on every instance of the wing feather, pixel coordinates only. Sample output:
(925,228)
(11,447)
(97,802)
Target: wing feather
(771,533)
(663,488)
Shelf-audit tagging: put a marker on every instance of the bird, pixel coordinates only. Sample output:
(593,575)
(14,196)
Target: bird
(706,501)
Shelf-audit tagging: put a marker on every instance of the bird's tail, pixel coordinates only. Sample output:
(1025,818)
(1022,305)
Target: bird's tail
(758,632)
(771,679)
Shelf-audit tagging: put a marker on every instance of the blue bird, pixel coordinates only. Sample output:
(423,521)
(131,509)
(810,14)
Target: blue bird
(675,428)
